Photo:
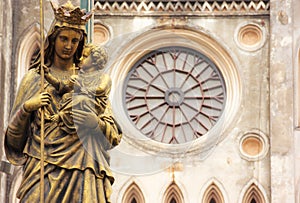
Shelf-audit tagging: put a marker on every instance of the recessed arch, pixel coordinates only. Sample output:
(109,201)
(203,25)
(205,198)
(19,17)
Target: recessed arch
(28,44)
(173,194)
(133,194)
(253,195)
(213,194)
(253,192)
(27,47)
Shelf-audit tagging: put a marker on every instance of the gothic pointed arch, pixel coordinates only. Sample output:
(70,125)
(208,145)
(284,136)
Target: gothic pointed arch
(173,194)
(27,48)
(133,194)
(253,195)
(213,194)
(253,192)
(213,191)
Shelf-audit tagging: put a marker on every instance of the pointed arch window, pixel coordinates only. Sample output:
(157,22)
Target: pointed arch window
(133,194)
(173,200)
(212,200)
(213,194)
(27,50)
(173,194)
(253,195)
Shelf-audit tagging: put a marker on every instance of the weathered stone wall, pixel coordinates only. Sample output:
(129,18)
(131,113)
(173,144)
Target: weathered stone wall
(296,64)
(224,162)
(282,103)
(5,64)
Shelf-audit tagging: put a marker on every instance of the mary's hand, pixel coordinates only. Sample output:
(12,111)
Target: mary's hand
(46,70)
(34,103)
(87,119)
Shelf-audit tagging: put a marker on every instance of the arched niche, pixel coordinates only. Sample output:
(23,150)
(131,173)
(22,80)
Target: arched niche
(28,45)
(253,195)
(27,48)
(173,194)
(253,192)
(133,194)
(213,194)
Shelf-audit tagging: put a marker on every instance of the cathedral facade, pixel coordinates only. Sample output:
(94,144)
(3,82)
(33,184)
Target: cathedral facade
(206,92)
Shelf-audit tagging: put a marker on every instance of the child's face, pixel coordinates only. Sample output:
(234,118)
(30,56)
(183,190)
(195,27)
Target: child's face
(86,61)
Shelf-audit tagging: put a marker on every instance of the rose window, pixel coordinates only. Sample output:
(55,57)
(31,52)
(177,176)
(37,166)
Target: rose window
(174,95)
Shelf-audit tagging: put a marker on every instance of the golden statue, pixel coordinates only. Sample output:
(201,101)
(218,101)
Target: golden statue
(78,125)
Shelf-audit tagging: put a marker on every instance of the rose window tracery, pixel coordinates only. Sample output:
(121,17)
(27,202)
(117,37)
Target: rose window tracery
(174,95)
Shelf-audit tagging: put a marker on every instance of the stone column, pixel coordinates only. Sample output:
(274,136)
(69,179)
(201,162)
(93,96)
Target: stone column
(281,101)
(5,90)
(296,61)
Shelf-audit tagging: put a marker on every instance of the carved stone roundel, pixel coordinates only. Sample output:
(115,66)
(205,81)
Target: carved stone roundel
(174,95)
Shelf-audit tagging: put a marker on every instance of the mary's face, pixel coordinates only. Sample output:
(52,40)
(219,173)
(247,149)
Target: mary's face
(66,44)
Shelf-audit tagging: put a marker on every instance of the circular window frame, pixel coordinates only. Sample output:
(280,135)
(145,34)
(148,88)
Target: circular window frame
(199,40)
(256,28)
(198,120)
(263,139)
(105,29)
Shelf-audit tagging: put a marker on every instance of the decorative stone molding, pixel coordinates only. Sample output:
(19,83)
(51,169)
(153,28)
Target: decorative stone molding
(179,8)
(297,78)
(173,194)
(213,189)
(102,33)
(28,44)
(253,192)
(250,36)
(133,193)
(199,40)
(253,145)
(213,194)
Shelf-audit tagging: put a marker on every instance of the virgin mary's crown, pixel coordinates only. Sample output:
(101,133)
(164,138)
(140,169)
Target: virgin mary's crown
(69,14)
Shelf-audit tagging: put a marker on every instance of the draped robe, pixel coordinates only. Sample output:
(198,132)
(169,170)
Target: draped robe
(76,164)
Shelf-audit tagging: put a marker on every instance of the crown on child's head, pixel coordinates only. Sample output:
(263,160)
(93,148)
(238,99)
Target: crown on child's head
(70,14)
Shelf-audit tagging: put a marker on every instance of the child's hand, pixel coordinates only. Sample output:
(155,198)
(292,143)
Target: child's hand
(54,118)
(73,79)
(86,119)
